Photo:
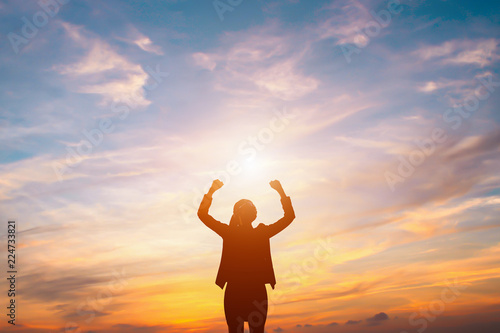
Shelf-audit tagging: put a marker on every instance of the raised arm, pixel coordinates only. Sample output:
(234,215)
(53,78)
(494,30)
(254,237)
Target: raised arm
(205,204)
(289,215)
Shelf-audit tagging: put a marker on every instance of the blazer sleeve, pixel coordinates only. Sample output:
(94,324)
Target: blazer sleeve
(288,217)
(208,220)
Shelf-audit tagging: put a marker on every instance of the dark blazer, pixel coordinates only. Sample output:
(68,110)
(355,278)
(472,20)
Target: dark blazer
(246,252)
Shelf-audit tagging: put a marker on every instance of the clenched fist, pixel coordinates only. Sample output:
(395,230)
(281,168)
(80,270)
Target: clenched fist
(216,184)
(275,184)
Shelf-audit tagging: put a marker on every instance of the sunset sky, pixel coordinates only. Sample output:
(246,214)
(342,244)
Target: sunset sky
(380,118)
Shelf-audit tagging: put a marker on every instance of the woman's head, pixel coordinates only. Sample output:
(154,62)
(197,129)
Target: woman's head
(244,211)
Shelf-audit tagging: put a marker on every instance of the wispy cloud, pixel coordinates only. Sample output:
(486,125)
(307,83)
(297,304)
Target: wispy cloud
(102,70)
(481,52)
(135,37)
(258,63)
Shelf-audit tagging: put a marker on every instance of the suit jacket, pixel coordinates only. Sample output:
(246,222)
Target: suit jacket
(246,252)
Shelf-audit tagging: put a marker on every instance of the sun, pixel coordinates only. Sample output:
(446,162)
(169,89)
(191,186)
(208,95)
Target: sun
(255,171)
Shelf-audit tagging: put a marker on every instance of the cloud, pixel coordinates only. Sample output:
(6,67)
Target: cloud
(353,322)
(40,286)
(454,91)
(90,312)
(344,22)
(204,61)
(481,52)
(376,319)
(102,70)
(473,146)
(143,42)
(128,328)
(147,45)
(260,62)
(357,288)
(432,86)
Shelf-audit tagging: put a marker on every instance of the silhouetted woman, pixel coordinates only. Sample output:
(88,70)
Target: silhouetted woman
(246,264)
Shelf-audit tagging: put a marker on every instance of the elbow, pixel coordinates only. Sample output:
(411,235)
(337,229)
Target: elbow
(290,216)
